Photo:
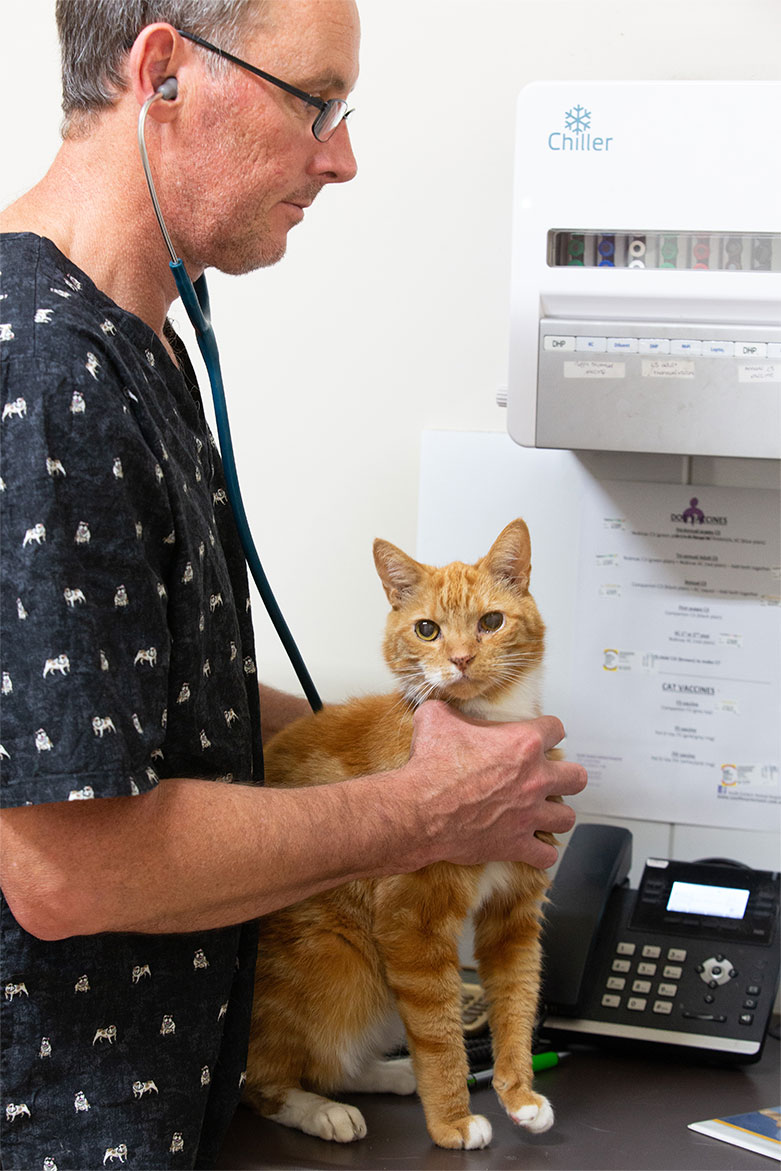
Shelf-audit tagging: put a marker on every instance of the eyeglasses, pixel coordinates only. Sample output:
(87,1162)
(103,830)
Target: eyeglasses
(332,112)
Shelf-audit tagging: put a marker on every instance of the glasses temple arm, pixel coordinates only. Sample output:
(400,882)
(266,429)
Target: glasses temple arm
(318,103)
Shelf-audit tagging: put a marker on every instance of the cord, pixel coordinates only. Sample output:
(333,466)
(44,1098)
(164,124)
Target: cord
(195,299)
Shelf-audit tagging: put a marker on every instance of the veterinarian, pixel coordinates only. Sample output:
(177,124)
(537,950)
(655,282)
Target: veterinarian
(131,868)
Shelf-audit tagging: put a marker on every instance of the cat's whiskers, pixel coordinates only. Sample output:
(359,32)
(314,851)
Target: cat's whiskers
(417,685)
(416,688)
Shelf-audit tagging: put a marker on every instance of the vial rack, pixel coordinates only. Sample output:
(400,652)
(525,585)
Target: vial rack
(704,251)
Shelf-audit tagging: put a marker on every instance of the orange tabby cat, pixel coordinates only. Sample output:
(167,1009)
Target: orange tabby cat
(335,970)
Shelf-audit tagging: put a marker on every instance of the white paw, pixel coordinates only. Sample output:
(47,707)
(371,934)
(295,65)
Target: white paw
(335,1122)
(479,1133)
(535,1118)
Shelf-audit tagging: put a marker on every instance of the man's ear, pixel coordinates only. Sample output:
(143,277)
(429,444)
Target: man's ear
(158,53)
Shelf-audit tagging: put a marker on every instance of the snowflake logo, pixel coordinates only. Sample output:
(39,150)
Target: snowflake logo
(578,119)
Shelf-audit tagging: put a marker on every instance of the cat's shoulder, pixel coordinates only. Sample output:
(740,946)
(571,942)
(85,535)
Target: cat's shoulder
(364,735)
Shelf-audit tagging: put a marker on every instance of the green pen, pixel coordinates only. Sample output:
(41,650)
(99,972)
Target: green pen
(539,1061)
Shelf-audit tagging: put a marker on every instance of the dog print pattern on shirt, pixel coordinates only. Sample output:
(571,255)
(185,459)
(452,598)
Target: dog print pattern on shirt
(127,658)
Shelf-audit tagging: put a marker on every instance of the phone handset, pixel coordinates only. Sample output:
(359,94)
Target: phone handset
(596,860)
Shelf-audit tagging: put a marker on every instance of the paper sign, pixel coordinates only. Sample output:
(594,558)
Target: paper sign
(676,667)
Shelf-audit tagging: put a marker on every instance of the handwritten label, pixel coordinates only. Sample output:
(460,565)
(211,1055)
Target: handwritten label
(590,369)
(667,368)
(760,372)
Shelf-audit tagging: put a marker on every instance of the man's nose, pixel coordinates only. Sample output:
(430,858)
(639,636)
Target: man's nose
(336,162)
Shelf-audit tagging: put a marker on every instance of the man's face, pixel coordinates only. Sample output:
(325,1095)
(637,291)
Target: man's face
(253,164)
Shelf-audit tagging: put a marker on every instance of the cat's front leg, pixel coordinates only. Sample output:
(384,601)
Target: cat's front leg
(417,925)
(507,948)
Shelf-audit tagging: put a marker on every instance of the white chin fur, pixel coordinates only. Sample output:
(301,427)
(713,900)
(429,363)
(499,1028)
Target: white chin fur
(522,702)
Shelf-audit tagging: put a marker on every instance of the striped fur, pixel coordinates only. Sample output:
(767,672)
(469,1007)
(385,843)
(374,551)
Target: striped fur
(337,970)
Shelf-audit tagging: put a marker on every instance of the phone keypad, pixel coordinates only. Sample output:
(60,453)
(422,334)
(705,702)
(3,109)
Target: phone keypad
(645,979)
(650,974)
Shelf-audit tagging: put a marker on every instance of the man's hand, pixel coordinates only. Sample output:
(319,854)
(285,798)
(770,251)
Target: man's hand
(487,788)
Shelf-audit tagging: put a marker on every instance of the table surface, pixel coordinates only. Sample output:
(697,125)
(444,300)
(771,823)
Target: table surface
(614,1109)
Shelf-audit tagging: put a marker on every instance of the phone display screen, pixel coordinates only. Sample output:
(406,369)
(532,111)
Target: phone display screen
(715,901)
(695,898)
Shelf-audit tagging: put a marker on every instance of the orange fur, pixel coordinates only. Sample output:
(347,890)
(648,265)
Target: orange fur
(332,969)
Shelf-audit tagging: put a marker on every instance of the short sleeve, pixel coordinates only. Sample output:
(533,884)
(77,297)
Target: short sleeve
(85,641)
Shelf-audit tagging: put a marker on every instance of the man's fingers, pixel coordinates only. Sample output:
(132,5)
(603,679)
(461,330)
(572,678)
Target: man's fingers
(557,818)
(567,778)
(540,854)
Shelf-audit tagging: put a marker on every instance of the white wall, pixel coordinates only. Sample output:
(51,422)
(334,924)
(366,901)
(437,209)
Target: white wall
(390,313)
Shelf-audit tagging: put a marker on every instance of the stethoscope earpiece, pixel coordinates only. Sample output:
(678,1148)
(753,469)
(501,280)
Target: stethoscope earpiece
(169,89)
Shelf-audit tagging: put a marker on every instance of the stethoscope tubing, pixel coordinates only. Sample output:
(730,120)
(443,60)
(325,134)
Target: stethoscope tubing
(195,299)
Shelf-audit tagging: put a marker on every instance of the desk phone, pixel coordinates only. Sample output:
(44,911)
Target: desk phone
(690,959)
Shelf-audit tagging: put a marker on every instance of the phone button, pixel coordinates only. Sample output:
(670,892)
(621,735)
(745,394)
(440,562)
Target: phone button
(677,955)
(616,984)
(716,970)
(664,1007)
(667,990)
(637,1004)
(610,1001)
(620,966)
(651,952)
(673,972)
(643,986)
(646,969)
(626,949)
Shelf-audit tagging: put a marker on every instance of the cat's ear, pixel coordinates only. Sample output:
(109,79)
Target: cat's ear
(399,574)
(510,556)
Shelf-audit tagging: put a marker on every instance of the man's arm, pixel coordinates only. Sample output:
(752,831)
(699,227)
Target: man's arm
(197,855)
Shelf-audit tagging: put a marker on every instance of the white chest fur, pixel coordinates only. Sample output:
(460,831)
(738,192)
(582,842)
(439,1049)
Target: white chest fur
(524,702)
(496,876)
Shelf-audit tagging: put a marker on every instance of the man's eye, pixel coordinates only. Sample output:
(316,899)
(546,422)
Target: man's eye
(426,630)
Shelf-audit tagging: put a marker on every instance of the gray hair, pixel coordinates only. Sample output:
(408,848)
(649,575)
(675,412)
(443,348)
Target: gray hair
(96,36)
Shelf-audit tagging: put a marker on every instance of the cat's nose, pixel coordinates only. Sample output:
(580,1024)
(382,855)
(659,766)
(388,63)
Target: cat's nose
(462,661)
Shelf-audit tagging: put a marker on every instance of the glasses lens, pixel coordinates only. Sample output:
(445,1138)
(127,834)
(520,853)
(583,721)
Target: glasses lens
(328,119)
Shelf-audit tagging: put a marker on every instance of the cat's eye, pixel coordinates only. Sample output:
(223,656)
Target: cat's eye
(426,629)
(492,621)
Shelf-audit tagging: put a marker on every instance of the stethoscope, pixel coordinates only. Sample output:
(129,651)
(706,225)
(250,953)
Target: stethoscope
(195,298)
